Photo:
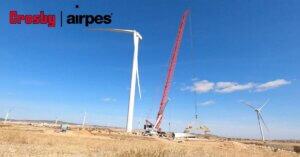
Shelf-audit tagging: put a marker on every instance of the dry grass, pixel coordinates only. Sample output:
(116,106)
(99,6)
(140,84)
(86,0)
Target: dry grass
(28,141)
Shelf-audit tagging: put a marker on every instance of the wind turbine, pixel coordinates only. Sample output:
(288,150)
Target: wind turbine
(6,116)
(56,120)
(83,121)
(135,71)
(259,117)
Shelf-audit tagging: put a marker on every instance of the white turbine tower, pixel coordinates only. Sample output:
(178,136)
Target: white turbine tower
(259,117)
(6,116)
(135,71)
(83,121)
(56,120)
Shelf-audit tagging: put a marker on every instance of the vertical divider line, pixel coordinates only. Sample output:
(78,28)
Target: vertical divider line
(61,19)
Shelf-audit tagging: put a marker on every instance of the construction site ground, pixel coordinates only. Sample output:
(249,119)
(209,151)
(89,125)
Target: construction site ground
(20,140)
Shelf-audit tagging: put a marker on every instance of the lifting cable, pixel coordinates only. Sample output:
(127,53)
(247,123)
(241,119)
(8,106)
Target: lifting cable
(195,61)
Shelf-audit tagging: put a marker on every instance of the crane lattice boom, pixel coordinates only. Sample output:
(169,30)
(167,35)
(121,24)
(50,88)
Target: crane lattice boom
(164,99)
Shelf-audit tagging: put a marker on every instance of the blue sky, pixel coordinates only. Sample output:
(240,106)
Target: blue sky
(242,50)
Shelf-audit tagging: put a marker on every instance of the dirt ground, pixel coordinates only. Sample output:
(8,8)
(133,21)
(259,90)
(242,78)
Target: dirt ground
(33,141)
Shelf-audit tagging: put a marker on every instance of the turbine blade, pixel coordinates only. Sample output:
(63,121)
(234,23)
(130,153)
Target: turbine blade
(264,104)
(248,104)
(112,30)
(138,80)
(259,114)
(136,50)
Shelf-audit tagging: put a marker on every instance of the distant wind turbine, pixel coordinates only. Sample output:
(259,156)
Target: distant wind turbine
(259,117)
(83,121)
(135,71)
(6,116)
(56,120)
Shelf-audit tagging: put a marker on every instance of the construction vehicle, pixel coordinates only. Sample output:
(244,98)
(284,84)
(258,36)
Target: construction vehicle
(154,129)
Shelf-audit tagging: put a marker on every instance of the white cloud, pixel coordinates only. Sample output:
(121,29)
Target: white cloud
(224,84)
(205,86)
(206,103)
(200,86)
(272,84)
(228,87)
(108,99)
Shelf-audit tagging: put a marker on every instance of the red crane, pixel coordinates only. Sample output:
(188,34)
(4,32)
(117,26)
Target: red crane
(164,99)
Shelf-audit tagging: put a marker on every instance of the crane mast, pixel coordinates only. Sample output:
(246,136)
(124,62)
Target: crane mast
(164,99)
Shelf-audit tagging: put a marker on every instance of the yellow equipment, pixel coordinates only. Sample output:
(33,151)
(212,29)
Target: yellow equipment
(192,128)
